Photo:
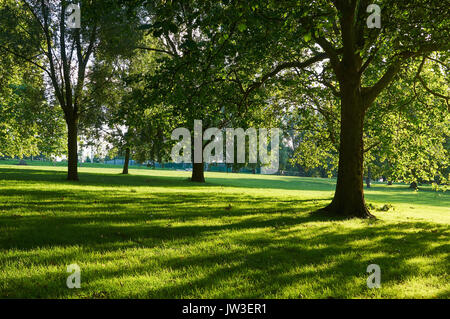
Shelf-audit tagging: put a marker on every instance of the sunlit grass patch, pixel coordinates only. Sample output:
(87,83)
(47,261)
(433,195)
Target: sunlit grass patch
(154,234)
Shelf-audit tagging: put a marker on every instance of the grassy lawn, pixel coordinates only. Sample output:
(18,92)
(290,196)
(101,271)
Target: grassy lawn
(153,234)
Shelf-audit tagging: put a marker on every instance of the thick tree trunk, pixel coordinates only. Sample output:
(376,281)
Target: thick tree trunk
(72,147)
(127,160)
(198,173)
(413,185)
(349,195)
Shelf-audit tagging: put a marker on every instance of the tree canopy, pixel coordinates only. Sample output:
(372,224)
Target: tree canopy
(354,97)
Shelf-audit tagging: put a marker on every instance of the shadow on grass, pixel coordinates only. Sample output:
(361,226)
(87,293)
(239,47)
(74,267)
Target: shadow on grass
(263,246)
(153,180)
(266,263)
(93,179)
(271,268)
(394,193)
(60,216)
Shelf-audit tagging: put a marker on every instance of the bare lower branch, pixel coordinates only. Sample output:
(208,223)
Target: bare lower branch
(284,66)
(156,50)
(371,146)
(29,60)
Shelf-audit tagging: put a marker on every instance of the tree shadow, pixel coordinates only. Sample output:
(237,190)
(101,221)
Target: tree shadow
(262,246)
(153,180)
(261,267)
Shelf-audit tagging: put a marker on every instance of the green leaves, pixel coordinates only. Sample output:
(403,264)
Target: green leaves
(223,38)
(307,37)
(28,124)
(242,27)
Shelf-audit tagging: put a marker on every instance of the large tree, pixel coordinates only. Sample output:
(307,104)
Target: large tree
(356,63)
(119,111)
(197,77)
(411,30)
(404,132)
(37,32)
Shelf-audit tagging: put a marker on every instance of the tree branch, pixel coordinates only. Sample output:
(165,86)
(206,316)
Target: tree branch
(424,85)
(155,49)
(25,58)
(371,93)
(58,90)
(371,146)
(331,52)
(368,61)
(284,66)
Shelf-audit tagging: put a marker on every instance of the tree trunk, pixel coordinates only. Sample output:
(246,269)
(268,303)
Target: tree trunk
(349,195)
(368,176)
(198,173)
(413,185)
(127,160)
(72,147)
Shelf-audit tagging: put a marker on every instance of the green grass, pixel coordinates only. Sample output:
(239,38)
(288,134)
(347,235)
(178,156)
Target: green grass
(64,164)
(154,234)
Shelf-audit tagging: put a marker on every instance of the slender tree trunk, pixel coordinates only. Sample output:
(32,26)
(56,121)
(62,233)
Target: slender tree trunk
(127,160)
(369,176)
(198,168)
(349,195)
(198,173)
(72,146)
